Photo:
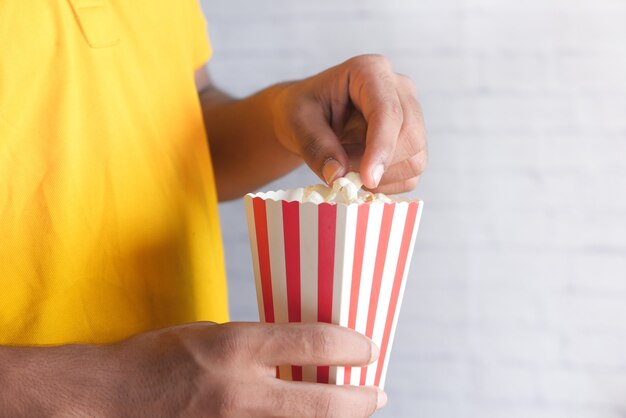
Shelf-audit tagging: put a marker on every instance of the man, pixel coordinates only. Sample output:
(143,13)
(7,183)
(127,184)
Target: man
(110,250)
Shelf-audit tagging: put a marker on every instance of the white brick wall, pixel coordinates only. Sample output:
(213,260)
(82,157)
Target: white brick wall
(518,285)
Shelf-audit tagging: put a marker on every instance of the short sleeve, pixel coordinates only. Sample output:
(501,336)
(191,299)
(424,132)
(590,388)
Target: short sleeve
(200,41)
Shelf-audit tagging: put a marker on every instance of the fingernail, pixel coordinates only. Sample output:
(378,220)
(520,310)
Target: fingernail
(377,174)
(382,399)
(331,170)
(374,354)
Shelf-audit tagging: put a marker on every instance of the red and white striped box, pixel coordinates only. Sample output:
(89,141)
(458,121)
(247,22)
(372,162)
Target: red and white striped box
(335,263)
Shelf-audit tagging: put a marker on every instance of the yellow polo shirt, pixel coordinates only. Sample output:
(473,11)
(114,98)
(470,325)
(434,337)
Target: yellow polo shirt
(108,210)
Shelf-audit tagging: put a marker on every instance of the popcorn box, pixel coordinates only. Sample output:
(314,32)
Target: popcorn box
(344,264)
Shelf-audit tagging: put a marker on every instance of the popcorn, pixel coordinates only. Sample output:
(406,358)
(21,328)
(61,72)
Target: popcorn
(382,198)
(343,190)
(314,197)
(317,194)
(348,186)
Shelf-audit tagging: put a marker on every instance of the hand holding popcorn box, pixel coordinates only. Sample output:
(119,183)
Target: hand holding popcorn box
(337,255)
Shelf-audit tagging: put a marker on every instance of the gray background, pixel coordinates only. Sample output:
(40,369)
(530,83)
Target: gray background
(516,301)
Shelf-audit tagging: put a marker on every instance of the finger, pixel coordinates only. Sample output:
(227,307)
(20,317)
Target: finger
(355,155)
(373,91)
(401,186)
(319,146)
(300,399)
(412,137)
(310,344)
(352,139)
(354,130)
(405,170)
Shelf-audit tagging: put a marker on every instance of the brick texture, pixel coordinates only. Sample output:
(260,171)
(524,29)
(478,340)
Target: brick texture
(518,285)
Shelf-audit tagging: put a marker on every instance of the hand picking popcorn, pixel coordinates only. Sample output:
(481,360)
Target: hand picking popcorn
(345,190)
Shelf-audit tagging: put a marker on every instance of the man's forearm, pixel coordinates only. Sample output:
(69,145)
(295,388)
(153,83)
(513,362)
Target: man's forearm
(48,381)
(245,151)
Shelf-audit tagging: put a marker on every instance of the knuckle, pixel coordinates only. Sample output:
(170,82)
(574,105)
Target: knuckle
(369,59)
(324,406)
(417,164)
(360,402)
(345,402)
(411,183)
(389,111)
(404,78)
(407,82)
(411,142)
(379,59)
(413,136)
(386,76)
(423,160)
(395,109)
(321,343)
(368,405)
(311,146)
(299,109)
(229,343)
(229,402)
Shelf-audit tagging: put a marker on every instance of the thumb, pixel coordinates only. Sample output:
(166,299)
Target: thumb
(320,148)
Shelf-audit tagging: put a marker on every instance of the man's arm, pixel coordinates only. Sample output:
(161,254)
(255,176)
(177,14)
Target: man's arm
(55,381)
(199,369)
(359,115)
(244,149)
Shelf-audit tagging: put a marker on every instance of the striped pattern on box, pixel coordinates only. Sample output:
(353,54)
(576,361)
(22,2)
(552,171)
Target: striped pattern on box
(334,263)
